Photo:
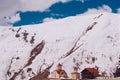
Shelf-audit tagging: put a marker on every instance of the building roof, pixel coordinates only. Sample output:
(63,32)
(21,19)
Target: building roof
(93,71)
(59,64)
(60,71)
(75,68)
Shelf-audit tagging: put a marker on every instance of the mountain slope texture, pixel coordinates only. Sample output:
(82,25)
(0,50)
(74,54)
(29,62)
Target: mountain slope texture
(84,41)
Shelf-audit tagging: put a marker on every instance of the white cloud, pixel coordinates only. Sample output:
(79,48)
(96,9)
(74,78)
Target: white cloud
(55,14)
(10,7)
(36,5)
(3,22)
(118,10)
(14,18)
(64,1)
(48,19)
(104,8)
(8,21)
(82,1)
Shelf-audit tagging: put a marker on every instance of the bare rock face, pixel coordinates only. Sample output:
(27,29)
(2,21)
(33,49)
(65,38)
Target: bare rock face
(36,51)
(42,75)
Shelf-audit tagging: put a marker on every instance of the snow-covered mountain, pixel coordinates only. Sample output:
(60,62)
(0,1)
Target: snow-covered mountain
(84,41)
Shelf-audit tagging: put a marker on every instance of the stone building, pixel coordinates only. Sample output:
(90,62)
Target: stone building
(75,75)
(59,72)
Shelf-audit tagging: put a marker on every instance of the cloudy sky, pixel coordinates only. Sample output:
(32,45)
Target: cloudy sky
(26,12)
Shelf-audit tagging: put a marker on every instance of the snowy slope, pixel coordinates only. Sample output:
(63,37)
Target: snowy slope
(84,41)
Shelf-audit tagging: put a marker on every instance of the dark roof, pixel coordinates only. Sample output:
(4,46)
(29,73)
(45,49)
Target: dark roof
(93,71)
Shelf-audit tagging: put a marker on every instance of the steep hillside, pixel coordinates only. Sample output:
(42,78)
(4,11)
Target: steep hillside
(82,41)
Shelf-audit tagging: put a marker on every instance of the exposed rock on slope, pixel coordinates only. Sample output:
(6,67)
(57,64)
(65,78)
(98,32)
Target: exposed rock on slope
(82,41)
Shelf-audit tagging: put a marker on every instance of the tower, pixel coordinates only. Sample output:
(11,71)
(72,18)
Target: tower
(75,74)
(59,72)
(59,67)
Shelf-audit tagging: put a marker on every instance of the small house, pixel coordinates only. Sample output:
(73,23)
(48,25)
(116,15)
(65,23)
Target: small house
(89,73)
(59,72)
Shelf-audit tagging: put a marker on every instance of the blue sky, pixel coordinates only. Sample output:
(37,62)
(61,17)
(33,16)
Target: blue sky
(61,9)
